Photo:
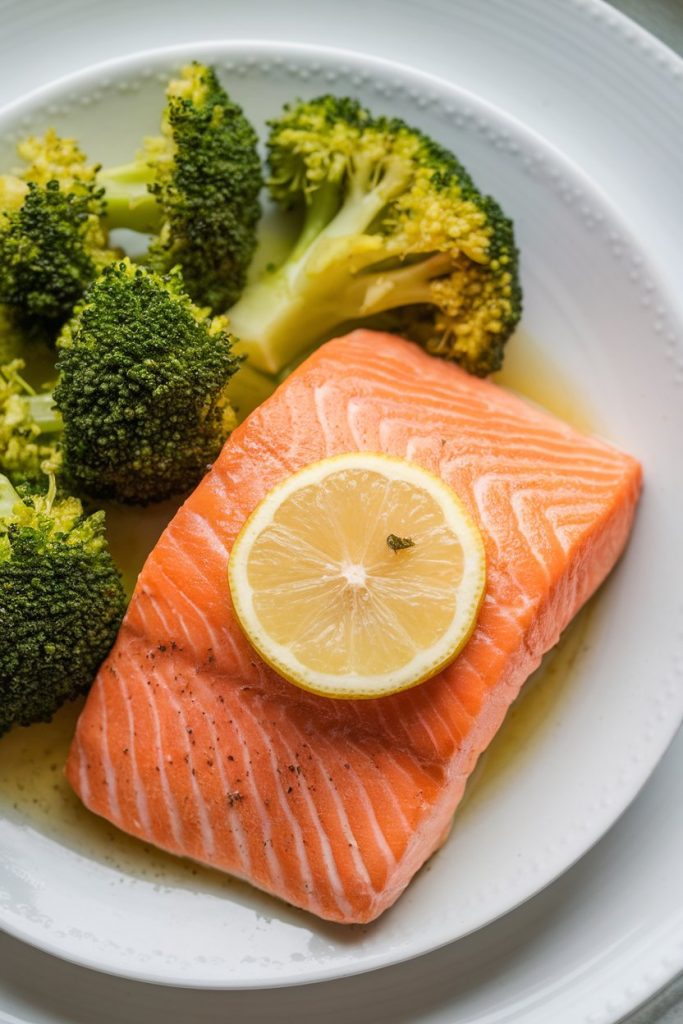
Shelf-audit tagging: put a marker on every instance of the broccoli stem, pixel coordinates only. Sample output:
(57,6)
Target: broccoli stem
(319,212)
(8,498)
(44,413)
(130,204)
(248,388)
(325,280)
(408,285)
(51,489)
(282,316)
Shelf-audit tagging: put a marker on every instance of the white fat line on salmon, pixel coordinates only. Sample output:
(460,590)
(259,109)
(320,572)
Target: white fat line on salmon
(189,570)
(299,405)
(241,652)
(279,458)
(398,814)
(398,727)
(170,804)
(446,405)
(441,401)
(363,798)
(426,451)
(109,773)
(189,636)
(360,425)
(525,451)
(140,793)
(561,536)
(466,670)
(205,826)
(320,395)
(481,638)
(205,530)
(349,835)
(521,449)
(150,620)
(392,435)
(305,871)
(524,518)
(258,802)
(337,889)
(222,491)
(417,714)
(515,469)
(83,769)
(486,492)
(435,712)
(210,700)
(564,503)
(415,699)
(568,527)
(225,633)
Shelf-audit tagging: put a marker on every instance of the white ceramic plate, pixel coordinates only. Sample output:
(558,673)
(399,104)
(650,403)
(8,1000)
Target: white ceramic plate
(598,319)
(586,950)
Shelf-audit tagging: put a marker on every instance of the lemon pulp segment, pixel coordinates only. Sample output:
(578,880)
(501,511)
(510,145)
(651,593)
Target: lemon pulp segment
(329,600)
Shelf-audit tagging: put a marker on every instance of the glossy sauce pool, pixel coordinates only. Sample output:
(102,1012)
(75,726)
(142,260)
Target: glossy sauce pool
(32,784)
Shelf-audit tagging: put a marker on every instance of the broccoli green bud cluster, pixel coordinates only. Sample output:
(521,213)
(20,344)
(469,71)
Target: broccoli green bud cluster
(61,604)
(52,239)
(142,387)
(393,225)
(12,339)
(29,428)
(197,186)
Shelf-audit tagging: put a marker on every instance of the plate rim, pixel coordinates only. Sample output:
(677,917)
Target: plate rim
(131,62)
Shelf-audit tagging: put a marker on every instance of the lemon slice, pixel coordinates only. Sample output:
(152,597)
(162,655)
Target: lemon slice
(358,576)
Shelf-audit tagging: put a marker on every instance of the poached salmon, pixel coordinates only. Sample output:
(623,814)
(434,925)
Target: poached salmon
(190,742)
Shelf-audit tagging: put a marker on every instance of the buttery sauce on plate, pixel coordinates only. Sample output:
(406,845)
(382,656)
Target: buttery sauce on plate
(33,788)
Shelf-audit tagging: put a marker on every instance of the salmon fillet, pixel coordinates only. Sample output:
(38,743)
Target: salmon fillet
(192,743)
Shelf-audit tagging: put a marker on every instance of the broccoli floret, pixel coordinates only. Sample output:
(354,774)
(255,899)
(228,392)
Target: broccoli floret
(142,387)
(29,428)
(61,603)
(52,238)
(12,339)
(196,187)
(390,221)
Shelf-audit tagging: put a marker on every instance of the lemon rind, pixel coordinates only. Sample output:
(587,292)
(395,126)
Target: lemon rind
(421,667)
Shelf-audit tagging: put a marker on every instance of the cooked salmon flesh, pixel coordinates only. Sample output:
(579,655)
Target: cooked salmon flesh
(192,743)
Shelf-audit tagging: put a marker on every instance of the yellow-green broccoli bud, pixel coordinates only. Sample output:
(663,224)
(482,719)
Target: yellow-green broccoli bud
(29,428)
(52,237)
(392,225)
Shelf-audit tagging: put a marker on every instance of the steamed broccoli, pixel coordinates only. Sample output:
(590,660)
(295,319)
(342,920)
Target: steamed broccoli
(61,603)
(29,428)
(142,387)
(52,238)
(391,224)
(140,408)
(197,186)
(11,337)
